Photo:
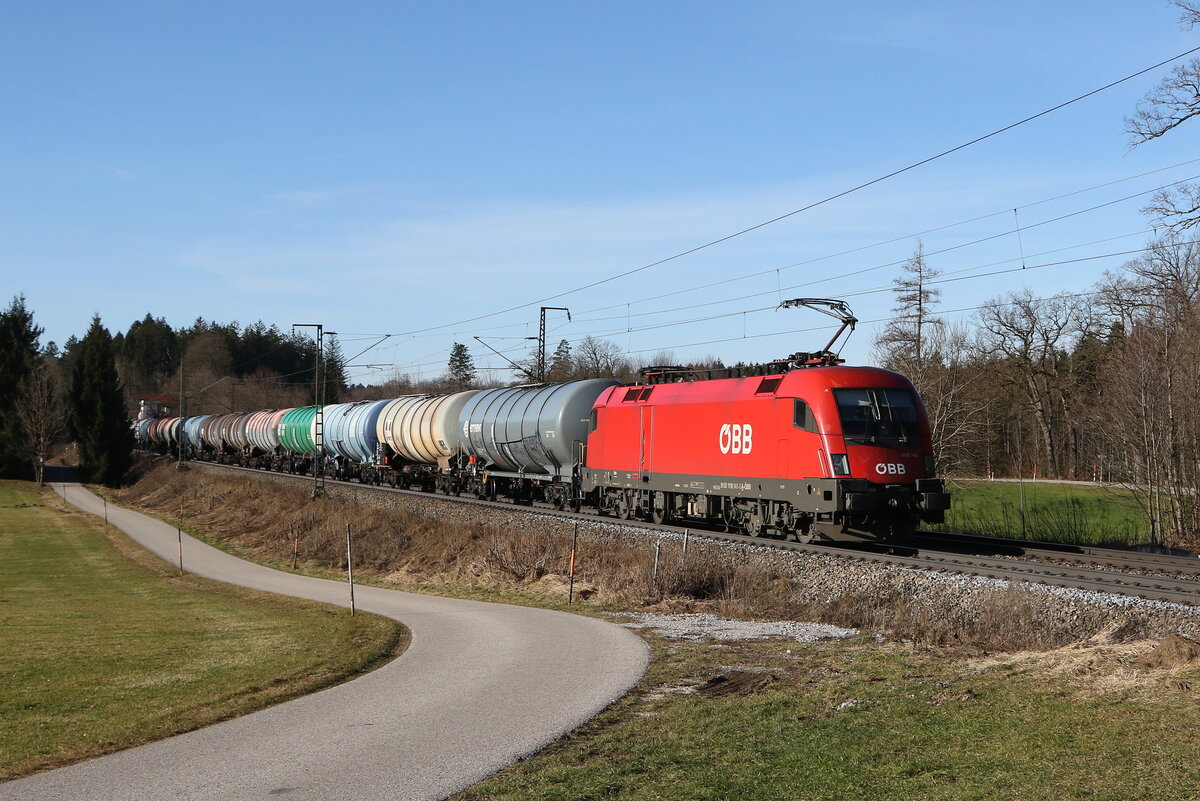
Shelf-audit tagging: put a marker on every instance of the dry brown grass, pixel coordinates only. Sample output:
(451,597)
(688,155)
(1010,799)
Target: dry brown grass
(267,519)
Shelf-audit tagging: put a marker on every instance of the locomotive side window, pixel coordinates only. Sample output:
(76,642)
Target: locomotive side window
(878,416)
(593,422)
(802,417)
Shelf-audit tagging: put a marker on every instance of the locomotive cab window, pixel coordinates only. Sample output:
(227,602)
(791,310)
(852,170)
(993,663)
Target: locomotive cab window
(595,421)
(878,416)
(802,417)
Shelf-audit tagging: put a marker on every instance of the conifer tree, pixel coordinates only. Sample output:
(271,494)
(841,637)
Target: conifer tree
(18,355)
(460,369)
(560,362)
(96,410)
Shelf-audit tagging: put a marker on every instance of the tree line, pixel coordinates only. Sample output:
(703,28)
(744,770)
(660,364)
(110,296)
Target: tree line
(225,367)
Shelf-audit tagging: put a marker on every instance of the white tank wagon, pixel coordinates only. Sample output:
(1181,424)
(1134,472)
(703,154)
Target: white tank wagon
(422,428)
(236,437)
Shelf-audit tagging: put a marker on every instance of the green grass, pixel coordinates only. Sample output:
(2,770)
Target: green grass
(1069,513)
(102,646)
(855,720)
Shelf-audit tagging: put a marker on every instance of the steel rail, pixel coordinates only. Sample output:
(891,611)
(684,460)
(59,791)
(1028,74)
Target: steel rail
(1081,554)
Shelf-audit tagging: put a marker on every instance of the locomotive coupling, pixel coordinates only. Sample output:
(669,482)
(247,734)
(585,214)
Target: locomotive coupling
(932,495)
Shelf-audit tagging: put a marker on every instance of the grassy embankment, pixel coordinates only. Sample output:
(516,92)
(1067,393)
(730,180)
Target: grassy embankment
(103,646)
(1077,514)
(850,720)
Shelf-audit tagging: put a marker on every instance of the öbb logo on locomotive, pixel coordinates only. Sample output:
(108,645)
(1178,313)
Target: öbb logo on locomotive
(889,469)
(737,438)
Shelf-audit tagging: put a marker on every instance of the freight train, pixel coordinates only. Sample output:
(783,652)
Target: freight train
(807,448)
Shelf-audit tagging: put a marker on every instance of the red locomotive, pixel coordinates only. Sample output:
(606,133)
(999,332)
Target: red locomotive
(810,449)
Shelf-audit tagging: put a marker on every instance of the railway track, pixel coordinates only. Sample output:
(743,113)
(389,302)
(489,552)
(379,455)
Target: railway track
(1089,555)
(1152,577)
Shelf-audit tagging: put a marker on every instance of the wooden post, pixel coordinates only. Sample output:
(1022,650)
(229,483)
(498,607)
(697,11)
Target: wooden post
(657,551)
(571,570)
(350,567)
(179,536)
(106,511)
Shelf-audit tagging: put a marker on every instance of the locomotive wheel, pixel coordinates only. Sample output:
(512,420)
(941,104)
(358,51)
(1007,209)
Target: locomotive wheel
(754,526)
(805,536)
(623,508)
(658,508)
(575,504)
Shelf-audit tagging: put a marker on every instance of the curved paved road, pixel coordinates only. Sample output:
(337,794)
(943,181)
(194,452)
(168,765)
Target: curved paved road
(480,686)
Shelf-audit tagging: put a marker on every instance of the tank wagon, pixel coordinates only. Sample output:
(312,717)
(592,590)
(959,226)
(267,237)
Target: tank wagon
(351,440)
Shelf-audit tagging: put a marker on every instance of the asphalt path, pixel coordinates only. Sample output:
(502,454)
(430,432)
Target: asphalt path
(479,687)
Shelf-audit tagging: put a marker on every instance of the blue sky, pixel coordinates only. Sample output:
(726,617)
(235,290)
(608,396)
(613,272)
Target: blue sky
(387,168)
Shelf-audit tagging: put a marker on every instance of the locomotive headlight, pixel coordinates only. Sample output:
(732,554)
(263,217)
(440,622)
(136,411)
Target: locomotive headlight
(841,464)
(929,464)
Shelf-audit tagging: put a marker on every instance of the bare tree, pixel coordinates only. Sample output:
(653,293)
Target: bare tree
(1151,421)
(1030,337)
(954,401)
(599,358)
(39,413)
(1174,101)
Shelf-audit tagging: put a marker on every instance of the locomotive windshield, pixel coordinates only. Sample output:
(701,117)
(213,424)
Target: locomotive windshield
(878,416)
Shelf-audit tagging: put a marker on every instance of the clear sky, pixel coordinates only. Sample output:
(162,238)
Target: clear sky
(393,167)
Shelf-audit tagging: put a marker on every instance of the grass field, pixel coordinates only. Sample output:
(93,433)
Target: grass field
(1071,513)
(102,646)
(856,720)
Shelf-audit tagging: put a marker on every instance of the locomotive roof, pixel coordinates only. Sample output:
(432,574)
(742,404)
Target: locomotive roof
(797,382)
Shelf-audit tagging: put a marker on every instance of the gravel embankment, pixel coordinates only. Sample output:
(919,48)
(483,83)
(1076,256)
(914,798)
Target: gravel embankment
(824,578)
(702,626)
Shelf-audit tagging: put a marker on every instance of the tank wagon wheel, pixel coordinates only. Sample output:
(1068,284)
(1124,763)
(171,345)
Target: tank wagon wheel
(575,504)
(805,536)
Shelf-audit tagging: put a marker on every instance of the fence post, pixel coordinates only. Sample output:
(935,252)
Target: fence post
(350,567)
(657,551)
(571,570)
(683,555)
(179,537)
